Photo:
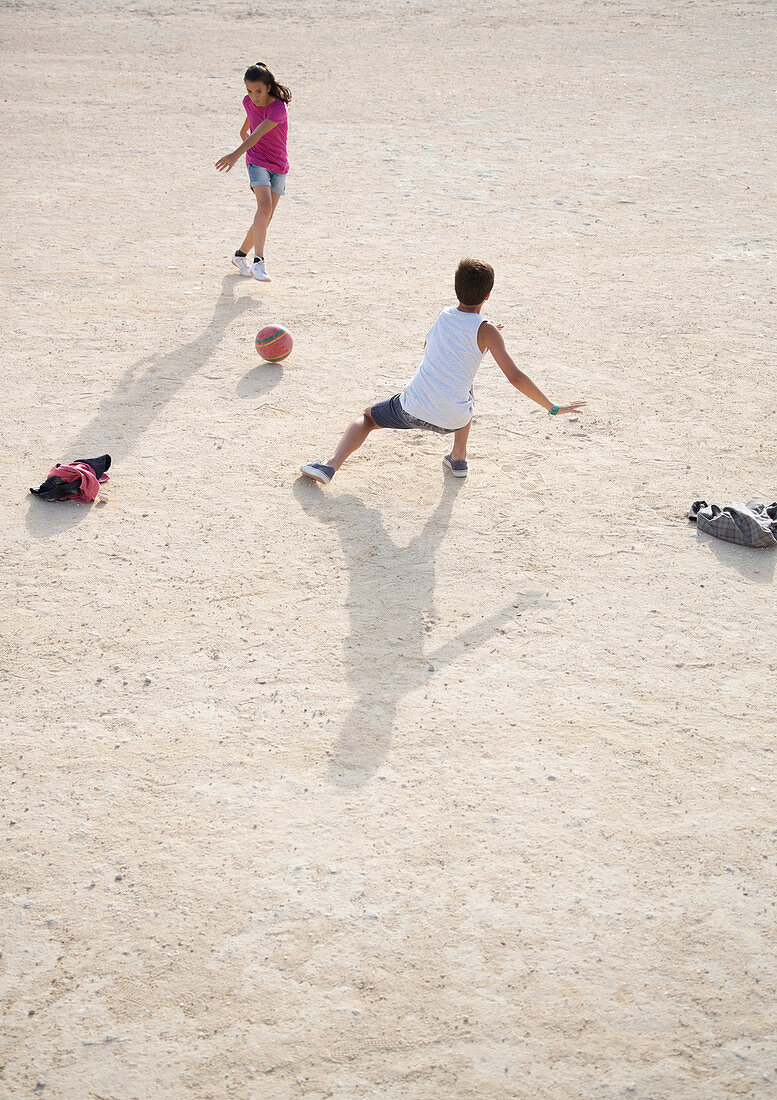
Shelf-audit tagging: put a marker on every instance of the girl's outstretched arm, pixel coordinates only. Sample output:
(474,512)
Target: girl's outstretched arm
(230,160)
(491,339)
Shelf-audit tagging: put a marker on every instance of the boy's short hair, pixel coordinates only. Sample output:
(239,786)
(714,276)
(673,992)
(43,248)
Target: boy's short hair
(474,282)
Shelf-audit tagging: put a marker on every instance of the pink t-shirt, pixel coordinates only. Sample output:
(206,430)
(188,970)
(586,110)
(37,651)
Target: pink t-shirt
(270,150)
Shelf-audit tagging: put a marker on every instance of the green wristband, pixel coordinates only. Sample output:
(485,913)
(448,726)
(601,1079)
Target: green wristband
(553,410)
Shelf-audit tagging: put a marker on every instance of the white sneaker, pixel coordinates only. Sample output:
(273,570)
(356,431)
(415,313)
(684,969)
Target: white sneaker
(259,271)
(241,263)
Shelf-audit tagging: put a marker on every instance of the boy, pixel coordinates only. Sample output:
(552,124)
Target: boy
(438,398)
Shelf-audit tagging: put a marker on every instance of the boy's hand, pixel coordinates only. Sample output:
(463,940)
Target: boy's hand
(224,164)
(490,339)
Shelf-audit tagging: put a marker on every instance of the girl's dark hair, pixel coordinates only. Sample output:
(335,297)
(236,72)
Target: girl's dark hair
(259,72)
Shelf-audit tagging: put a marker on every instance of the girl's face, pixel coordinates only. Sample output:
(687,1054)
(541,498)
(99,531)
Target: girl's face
(258,93)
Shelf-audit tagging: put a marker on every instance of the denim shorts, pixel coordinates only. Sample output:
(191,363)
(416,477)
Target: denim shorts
(263,177)
(390,414)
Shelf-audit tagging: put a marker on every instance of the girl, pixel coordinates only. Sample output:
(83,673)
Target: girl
(264,143)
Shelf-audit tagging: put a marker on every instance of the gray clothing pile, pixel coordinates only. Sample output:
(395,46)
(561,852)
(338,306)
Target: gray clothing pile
(750,524)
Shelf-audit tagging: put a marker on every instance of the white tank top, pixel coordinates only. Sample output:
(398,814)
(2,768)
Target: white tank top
(440,391)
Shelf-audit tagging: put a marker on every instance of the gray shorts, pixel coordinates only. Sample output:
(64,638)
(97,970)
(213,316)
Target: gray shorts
(390,414)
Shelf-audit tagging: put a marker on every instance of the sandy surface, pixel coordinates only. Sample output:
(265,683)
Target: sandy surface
(407,788)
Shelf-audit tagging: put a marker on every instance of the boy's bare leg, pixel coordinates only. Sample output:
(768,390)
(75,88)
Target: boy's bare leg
(460,443)
(355,434)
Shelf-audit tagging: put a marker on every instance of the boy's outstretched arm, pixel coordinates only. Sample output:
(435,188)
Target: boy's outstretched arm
(491,339)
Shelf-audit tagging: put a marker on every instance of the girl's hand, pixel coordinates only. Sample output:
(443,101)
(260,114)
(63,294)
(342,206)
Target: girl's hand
(575,407)
(224,164)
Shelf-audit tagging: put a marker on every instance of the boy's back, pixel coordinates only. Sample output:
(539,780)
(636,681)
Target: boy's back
(440,391)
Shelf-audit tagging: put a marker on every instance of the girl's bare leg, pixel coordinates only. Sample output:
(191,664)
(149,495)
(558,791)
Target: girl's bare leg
(266,210)
(355,434)
(460,442)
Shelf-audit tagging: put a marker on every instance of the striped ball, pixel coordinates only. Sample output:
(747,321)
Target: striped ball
(273,343)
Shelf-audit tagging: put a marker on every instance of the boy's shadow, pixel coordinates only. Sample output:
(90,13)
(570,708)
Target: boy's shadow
(144,390)
(390,601)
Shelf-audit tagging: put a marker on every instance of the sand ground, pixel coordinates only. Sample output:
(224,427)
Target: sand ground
(407,788)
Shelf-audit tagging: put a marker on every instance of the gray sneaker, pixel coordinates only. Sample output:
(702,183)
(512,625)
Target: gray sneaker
(457,466)
(259,271)
(319,471)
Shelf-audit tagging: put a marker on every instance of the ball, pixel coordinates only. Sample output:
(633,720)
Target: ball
(273,342)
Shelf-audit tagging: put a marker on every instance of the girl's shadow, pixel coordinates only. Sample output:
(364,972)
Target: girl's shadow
(144,390)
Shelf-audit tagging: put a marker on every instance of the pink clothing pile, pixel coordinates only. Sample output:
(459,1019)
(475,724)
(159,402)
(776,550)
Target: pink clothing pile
(90,485)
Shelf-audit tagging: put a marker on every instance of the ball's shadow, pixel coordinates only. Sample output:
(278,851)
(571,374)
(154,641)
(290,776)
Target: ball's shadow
(259,380)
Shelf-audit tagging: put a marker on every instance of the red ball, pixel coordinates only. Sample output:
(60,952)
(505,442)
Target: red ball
(274,343)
